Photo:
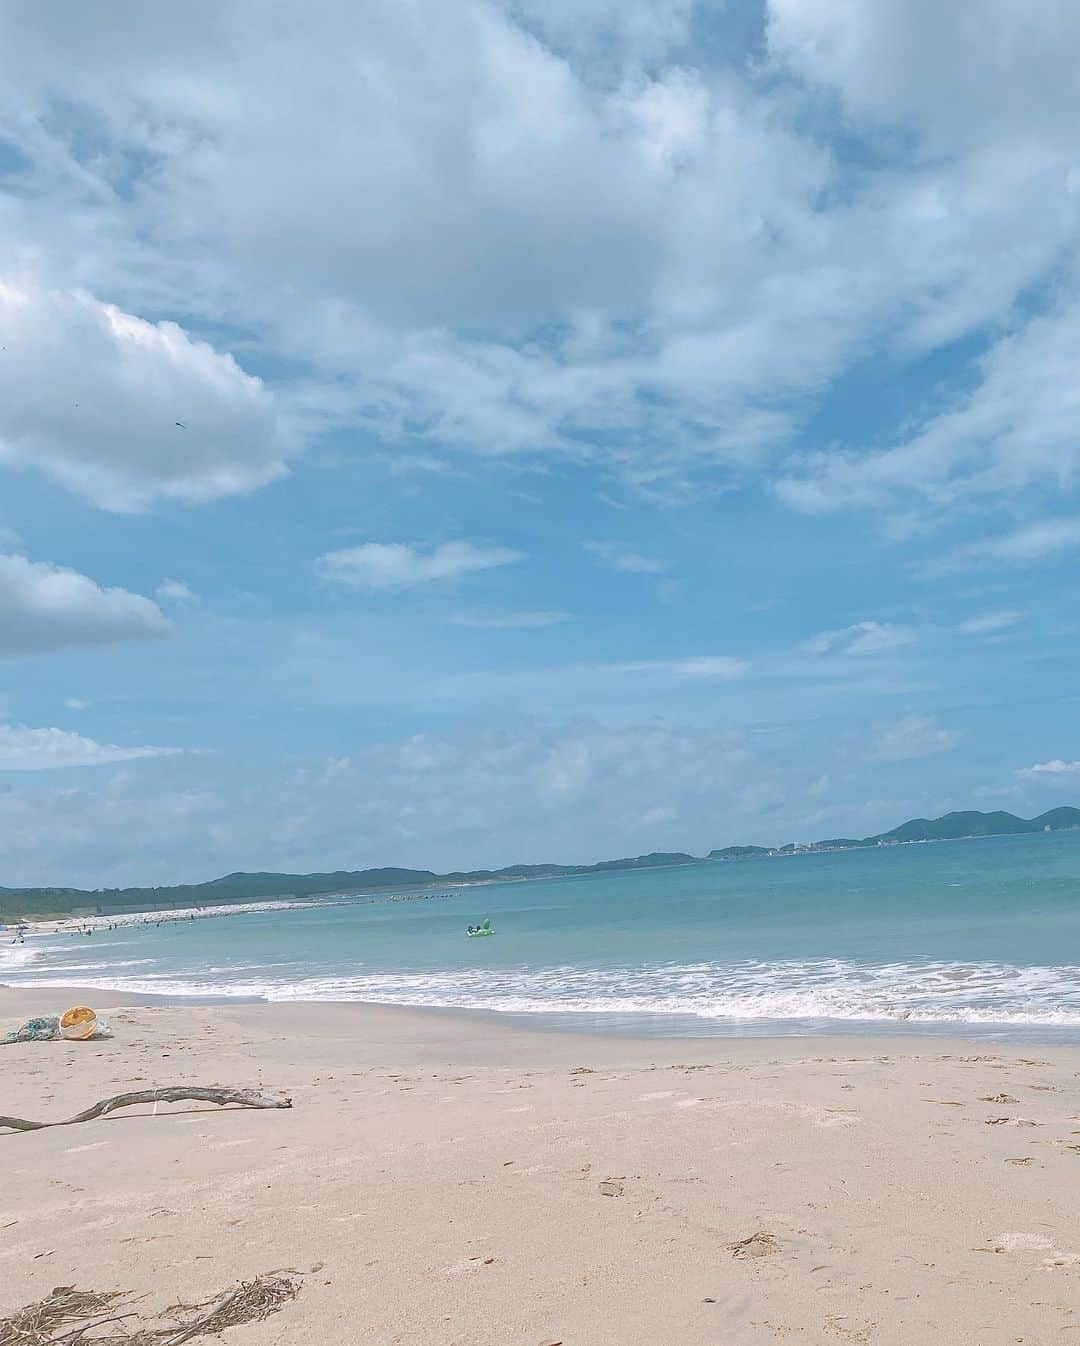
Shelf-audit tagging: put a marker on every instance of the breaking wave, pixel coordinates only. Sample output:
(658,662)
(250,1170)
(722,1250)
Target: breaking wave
(807,991)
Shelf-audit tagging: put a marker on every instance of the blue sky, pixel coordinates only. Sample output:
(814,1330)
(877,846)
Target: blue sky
(459,435)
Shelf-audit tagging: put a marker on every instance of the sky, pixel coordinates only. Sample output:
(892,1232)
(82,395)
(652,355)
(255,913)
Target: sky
(531,430)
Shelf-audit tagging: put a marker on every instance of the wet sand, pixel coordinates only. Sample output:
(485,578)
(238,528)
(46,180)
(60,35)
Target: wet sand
(450,1181)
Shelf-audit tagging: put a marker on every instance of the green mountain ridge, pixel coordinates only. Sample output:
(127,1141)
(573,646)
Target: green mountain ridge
(19,903)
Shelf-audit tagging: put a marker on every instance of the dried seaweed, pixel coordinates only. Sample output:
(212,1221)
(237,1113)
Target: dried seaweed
(39,1323)
(90,1318)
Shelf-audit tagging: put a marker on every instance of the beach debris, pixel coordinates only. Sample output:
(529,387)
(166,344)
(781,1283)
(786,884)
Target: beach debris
(78,1024)
(1027,1159)
(1011,1121)
(51,1319)
(611,1187)
(246,1098)
(999,1098)
(42,1028)
(38,1323)
(761,1244)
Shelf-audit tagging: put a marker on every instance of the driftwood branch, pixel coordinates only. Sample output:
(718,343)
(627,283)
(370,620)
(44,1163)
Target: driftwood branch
(247,1098)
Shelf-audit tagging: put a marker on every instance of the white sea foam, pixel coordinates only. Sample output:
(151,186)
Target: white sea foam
(14,956)
(747,992)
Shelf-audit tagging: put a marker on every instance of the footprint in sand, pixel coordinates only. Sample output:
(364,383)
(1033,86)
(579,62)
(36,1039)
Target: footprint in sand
(468,1267)
(1021,1243)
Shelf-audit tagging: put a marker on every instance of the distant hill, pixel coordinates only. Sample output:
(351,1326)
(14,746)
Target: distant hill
(953,826)
(16,903)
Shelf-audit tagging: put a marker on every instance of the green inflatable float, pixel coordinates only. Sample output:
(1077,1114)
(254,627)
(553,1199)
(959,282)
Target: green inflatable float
(484,928)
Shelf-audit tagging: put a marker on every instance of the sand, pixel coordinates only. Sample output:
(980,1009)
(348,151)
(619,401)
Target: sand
(450,1181)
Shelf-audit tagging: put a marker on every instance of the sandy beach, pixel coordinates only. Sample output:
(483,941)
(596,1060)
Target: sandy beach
(448,1180)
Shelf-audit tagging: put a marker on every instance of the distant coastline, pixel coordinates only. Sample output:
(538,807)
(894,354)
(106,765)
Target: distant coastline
(35,904)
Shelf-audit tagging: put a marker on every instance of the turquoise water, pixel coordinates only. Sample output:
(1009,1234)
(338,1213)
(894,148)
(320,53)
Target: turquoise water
(980,936)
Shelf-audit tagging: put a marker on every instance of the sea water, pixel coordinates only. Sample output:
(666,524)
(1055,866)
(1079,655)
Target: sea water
(980,938)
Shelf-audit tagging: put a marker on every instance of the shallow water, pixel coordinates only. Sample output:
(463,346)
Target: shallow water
(982,936)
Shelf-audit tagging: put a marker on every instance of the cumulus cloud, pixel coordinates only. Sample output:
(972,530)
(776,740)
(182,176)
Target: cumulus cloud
(396,565)
(644,257)
(46,607)
(912,737)
(126,412)
(1056,767)
(861,638)
(938,69)
(618,557)
(24,749)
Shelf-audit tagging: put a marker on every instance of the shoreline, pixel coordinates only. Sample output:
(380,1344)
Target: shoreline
(566,1026)
(439,1181)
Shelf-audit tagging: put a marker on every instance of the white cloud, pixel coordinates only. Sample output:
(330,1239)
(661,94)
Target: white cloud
(496,621)
(24,749)
(699,666)
(610,33)
(617,557)
(395,565)
(989,112)
(912,737)
(593,238)
(1056,767)
(568,792)
(76,703)
(1045,540)
(633,253)
(990,623)
(861,638)
(940,69)
(46,607)
(175,590)
(1015,431)
(126,412)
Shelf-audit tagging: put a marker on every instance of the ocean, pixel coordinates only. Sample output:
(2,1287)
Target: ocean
(973,938)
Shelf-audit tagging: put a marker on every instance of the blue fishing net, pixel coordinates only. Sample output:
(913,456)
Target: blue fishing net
(42,1029)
